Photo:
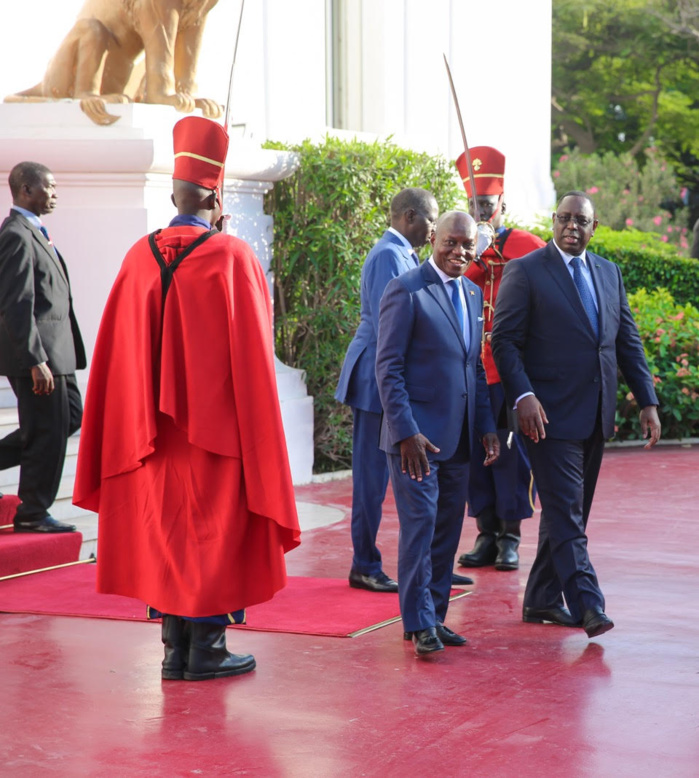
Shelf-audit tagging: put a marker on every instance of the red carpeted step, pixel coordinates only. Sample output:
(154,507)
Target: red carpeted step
(24,551)
(8,506)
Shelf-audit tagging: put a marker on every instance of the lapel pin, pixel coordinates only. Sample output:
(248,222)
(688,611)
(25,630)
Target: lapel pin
(471,292)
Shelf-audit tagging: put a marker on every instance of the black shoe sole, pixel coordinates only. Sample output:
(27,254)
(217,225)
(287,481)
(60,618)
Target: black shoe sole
(219,674)
(537,620)
(507,567)
(38,531)
(172,675)
(428,651)
(469,564)
(372,589)
(600,629)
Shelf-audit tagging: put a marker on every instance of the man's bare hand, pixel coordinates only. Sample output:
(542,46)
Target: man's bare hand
(42,378)
(532,418)
(413,456)
(650,423)
(491,444)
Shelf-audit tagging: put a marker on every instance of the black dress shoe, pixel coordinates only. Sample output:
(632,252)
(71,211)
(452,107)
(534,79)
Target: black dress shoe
(426,641)
(555,615)
(461,580)
(596,622)
(446,635)
(373,583)
(449,637)
(47,524)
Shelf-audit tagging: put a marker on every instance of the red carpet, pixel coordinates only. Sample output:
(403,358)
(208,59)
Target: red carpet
(20,552)
(308,606)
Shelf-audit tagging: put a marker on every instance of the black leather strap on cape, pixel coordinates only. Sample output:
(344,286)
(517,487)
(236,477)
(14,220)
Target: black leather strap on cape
(167,271)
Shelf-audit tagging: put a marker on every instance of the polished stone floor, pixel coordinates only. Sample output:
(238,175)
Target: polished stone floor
(82,697)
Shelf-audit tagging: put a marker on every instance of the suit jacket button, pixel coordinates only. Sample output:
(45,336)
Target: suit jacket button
(596,379)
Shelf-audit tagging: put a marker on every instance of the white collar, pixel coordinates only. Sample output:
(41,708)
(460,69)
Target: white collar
(568,257)
(28,215)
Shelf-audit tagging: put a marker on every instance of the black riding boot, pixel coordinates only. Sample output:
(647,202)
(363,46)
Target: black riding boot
(208,656)
(485,549)
(507,544)
(175,638)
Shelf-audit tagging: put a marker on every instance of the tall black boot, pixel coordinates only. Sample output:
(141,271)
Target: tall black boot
(208,656)
(507,544)
(485,549)
(175,638)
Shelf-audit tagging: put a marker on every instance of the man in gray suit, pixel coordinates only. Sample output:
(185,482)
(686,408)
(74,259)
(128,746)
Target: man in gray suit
(413,215)
(40,348)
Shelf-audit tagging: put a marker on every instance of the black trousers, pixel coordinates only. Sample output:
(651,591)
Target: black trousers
(39,445)
(566,473)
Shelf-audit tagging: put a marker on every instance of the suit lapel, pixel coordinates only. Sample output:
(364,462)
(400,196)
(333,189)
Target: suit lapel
(472,314)
(437,289)
(556,266)
(46,246)
(598,282)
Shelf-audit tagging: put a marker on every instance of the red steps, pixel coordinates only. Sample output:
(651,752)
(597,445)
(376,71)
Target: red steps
(21,552)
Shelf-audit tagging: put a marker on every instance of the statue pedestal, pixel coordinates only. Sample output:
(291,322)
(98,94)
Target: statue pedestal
(114,186)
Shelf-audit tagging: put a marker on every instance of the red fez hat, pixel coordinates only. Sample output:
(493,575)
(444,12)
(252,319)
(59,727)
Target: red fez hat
(200,151)
(488,171)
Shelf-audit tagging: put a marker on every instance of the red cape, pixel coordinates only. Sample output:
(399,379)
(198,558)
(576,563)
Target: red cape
(213,378)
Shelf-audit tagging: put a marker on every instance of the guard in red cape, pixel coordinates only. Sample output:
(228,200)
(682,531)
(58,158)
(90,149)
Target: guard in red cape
(182,451)
(501,495)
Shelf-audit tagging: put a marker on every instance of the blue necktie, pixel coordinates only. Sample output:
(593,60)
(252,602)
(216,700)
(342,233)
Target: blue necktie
(585,294)
(45,233)
(456,302)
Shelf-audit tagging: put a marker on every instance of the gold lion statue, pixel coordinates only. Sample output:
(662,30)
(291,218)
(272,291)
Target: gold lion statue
(95,61)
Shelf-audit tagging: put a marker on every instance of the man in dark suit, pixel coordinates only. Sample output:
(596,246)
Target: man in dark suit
(435,400)
(40,348)
(562,327)
(413,214)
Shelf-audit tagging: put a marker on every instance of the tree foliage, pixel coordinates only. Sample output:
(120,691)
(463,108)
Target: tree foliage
(626,76)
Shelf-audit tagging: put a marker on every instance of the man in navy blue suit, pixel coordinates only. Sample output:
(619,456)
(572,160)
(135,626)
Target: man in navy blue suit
(435,400)
(413,215)
(562,327)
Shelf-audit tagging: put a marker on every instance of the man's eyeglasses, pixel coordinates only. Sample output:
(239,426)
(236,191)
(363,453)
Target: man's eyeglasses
(581,221)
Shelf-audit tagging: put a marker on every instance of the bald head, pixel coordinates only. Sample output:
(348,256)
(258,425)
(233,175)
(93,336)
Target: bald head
(456,220)
(454,242)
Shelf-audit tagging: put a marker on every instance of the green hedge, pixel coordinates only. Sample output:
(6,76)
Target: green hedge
(670,334)
(326,218)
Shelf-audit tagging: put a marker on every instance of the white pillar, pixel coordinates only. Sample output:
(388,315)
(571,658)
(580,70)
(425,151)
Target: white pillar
(114,186)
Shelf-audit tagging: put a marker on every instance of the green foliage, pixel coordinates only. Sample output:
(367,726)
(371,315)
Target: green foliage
(326,218)
(625,194)
(670,334)
(645,261)
(624,78)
